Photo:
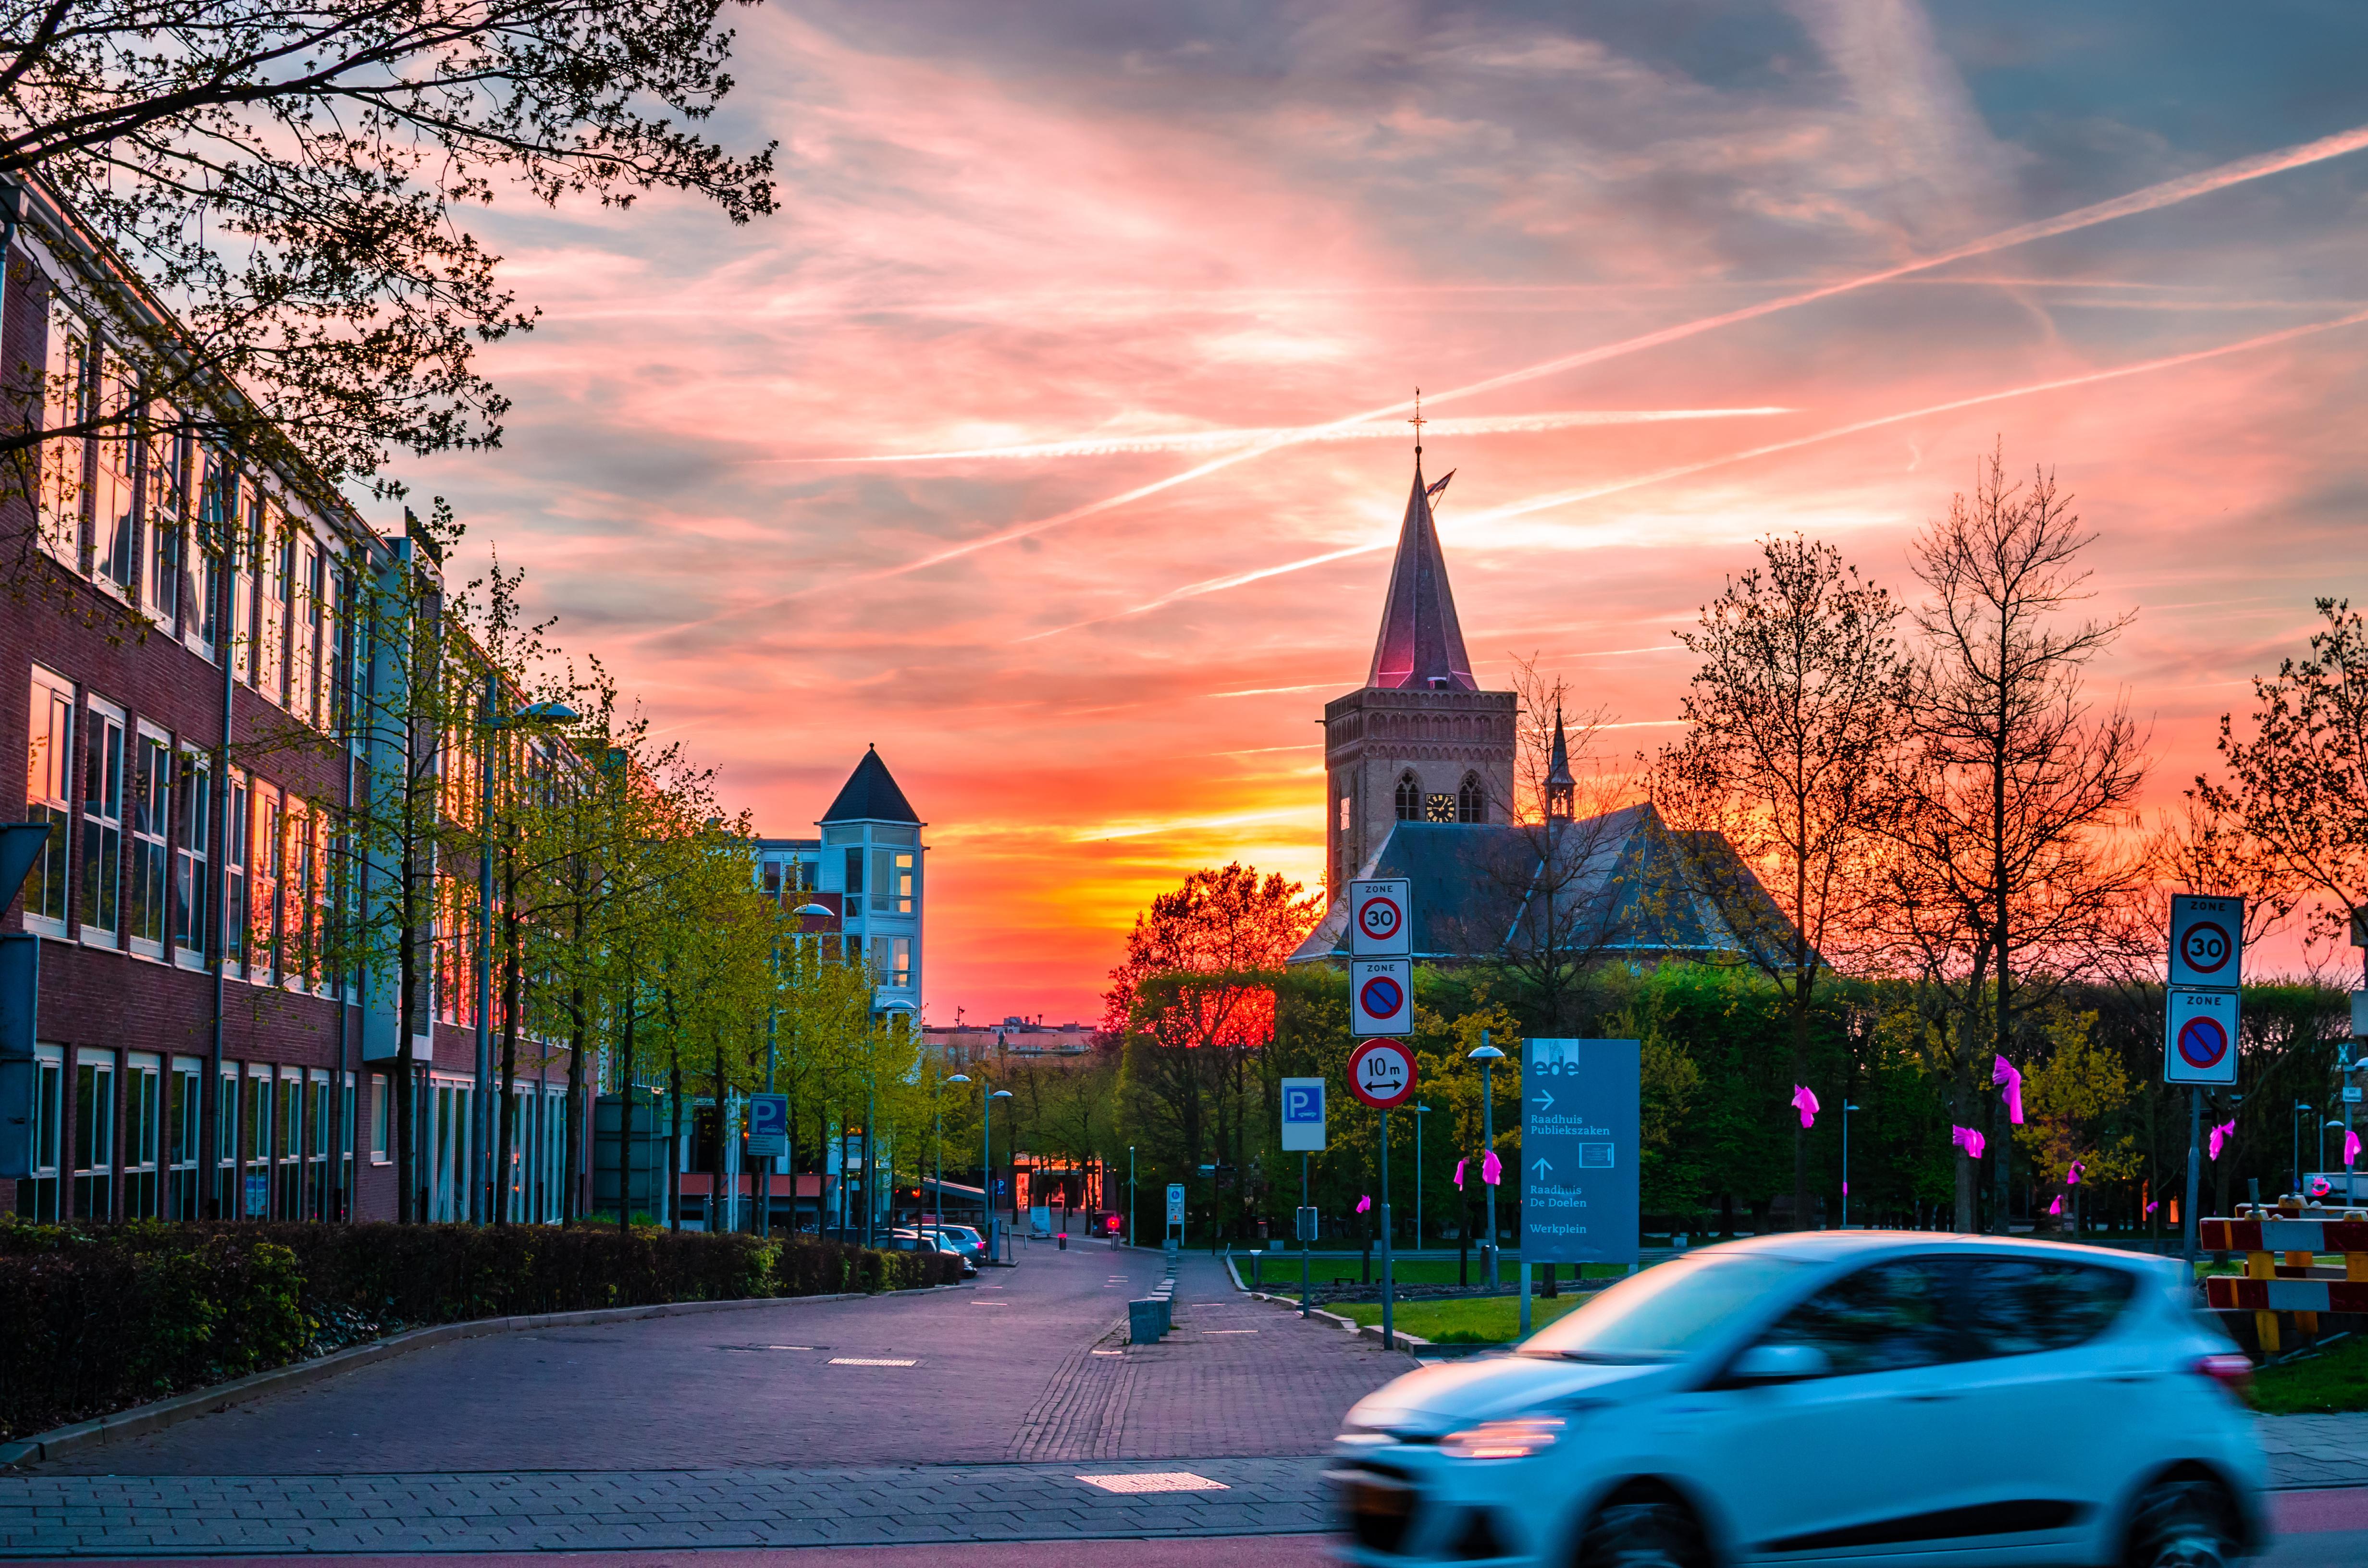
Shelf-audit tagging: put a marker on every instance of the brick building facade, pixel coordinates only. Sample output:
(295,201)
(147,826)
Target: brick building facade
(176,652)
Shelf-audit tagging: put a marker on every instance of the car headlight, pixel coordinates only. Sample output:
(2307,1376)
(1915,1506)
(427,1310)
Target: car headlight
(1515,1438)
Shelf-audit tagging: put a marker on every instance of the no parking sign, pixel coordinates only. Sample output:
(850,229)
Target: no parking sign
(1381,996)
(2200,1037)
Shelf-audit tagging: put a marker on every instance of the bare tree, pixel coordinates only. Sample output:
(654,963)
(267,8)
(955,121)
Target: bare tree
(1572,879)
(1773,794)
(2299,789)
(2010,872)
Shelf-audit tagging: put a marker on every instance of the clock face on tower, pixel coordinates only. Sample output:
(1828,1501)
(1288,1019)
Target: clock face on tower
(1439,808)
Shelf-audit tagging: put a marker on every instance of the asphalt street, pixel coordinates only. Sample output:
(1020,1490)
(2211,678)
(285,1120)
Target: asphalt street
(881,1432)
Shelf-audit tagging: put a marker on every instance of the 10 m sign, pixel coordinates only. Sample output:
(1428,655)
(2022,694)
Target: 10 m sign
(1381,1074)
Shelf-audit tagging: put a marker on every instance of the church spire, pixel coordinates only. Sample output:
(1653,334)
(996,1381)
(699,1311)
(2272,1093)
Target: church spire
(1420,645)
(1560,785)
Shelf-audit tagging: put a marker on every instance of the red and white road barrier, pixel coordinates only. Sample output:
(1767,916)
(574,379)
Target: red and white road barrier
(2227,1292)
(2284,1235)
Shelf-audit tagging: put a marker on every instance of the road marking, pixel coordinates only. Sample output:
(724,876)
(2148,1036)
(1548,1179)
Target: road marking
(990,1303)
(1097,1353)
(1157,1481)
(870,1362)
(1229,1331)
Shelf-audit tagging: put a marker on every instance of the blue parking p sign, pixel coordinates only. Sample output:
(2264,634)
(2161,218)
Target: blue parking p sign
(769,1125)
(1302,1116)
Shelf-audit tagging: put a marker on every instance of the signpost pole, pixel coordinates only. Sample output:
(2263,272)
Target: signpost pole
(1388,1342)
(1305,1241)
(2194,1166)
(1488,1141)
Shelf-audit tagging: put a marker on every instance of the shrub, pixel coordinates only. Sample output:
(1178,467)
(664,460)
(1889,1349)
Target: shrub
(102,1316)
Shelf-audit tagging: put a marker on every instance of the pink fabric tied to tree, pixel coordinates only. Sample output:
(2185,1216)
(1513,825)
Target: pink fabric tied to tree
(2149,1209)
(1968,1139)
(1806,1104)
(1459,1174)
(2221,1134)
(2073,1173)
(2350,1148)
(2057,1207)
(1492,1169)
(1363,1204)
(2002,1072)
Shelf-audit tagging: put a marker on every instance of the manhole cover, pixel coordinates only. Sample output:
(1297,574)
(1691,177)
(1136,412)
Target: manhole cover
(1156,1480)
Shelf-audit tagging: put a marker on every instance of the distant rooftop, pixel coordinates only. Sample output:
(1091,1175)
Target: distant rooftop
(870,794)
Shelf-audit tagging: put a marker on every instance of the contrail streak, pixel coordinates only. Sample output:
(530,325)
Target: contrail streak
(2147,366)
(2169,193)
(1566,497)
(1209,441)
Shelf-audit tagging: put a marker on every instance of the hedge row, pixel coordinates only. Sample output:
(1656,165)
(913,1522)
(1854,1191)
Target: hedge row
(99,1317)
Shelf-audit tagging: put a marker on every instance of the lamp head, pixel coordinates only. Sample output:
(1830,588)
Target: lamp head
(1000,1094)
(811,911)
(959,1078)
(1485,1053)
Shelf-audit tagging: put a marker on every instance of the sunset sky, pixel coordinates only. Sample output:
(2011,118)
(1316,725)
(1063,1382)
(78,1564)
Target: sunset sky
(761,471)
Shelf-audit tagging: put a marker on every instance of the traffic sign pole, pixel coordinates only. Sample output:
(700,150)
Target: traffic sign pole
(2194,1166)
(1388,1341)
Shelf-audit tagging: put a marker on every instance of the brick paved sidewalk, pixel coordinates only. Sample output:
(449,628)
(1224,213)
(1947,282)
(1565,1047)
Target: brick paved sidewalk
(2315,1451)
(601,1511)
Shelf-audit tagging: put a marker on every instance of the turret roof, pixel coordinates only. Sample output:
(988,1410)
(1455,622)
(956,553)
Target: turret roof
(870,794)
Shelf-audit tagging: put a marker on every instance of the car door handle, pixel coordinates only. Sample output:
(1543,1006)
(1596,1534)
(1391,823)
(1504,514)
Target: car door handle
(2131,1377)
(1928,1398)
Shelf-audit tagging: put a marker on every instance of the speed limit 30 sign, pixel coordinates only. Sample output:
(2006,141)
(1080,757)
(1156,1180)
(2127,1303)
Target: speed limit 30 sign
(1381,919)
(2207,941)
(1381,1074)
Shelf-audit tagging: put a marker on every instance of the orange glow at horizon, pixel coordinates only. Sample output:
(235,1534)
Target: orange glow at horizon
(1047,437)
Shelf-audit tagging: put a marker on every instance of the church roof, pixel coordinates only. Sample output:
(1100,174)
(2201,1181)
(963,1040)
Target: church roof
(1420,644)
(870,794)
(1479,889)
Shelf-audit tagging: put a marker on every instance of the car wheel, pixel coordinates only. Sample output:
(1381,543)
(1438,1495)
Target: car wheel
(1642,1531)
(2180,1524)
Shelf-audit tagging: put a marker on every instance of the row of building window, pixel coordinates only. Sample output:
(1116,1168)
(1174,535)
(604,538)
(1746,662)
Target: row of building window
(141,874)
(273,1148)
(174,530)
(275,1155)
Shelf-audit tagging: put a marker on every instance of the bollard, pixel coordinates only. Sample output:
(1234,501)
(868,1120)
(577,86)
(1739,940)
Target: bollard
(1064,1241)
(1145,1322)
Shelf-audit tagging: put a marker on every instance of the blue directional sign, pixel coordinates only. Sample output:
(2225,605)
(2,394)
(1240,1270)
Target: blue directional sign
(769,1125)
(1578,1151)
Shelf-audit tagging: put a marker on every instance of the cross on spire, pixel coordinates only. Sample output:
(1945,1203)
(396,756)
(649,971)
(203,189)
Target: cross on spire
(1417,422)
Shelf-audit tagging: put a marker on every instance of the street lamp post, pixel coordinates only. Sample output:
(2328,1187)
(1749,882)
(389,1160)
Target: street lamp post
(986,1154)
(1847,1108)
(1419,1112)
(2331,1124)
(1488,1056)
(1130,1195)
(481,1123)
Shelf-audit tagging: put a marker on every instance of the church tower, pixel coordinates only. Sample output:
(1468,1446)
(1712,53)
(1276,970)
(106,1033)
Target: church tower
(1419,741)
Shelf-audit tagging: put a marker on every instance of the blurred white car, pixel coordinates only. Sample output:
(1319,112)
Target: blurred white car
(1862,1396)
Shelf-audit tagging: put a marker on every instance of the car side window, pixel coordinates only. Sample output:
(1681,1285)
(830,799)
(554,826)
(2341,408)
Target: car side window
(2018,1307)
(1884,1318)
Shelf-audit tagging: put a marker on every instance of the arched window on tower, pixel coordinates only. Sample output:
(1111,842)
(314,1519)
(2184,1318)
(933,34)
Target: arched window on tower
(1472,801)
(1409,799)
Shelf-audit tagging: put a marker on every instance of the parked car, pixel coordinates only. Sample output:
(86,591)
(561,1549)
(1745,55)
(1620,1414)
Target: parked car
(965,1242)
(1884,1396)
(920,1241)
(968,1235)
